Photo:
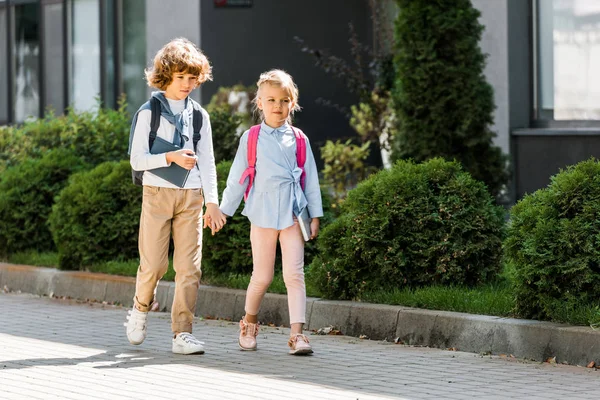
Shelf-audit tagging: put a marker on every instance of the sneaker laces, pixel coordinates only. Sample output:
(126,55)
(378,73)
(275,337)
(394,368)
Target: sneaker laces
(249,329)
(189,338)
(296,337)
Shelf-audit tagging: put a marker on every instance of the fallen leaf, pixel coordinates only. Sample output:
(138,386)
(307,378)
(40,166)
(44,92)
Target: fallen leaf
(551,360)
(592,364)
(363,337)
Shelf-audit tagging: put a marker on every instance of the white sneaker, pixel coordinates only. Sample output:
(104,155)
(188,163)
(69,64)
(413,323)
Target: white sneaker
(186,343)
(136,326)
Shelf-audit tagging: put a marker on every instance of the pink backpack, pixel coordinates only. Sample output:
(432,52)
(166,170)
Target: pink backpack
(252,142)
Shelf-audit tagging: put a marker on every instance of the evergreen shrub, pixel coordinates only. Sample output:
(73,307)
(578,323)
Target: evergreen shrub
(413,225)
(96,217)
(27,192)
(444,105)
(95,136)
(553,245)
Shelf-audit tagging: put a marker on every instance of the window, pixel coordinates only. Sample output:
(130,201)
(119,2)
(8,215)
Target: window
(3,66)
(568,60)
(26,51)
(53,51)
(85,83)
(134,53)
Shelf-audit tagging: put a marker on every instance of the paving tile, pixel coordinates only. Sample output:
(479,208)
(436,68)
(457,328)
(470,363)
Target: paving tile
(52,348)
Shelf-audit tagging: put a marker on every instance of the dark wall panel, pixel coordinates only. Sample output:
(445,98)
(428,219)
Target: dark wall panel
(541,156)
(243,42)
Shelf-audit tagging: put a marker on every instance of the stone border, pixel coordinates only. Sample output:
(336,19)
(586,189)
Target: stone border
(466,332)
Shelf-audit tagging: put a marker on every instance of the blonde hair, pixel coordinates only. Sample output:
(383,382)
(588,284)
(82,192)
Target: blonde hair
(179,55)
(277,78)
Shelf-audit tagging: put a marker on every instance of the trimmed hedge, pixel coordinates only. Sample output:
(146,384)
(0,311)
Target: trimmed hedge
(413,225)
(96,137)
(96,217)
(27,192)
(553,244)
(229,251)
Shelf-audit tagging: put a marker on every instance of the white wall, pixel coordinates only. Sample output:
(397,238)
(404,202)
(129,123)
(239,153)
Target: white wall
(494,42)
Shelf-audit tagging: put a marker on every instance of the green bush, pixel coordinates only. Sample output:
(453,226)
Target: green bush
(344,166)
(96,217)
(96,137)
(229,251)
(413,225)
(444,104)
(236,99)
(225,133)
(27,192)
(553,245)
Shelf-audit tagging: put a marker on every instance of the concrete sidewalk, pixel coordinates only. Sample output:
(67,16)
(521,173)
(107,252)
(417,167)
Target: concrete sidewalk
(523,339)
(54,348)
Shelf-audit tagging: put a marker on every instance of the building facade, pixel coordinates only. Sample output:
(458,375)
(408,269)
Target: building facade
(543,55)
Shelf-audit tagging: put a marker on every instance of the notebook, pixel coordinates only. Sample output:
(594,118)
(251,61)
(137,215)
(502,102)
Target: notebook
(173,173)
(304,222)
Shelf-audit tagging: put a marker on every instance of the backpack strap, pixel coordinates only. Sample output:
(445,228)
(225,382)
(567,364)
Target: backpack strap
(251,171)
(300,153)
(197,124)
(155,111)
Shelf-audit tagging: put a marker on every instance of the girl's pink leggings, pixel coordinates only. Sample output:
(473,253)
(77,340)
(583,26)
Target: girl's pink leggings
(264,244)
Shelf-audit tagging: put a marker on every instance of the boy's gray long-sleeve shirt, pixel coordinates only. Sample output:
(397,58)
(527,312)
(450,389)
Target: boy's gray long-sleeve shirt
(203,176)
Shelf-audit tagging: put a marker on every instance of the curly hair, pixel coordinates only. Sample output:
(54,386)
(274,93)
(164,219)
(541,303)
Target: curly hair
(277,78)
(179,55)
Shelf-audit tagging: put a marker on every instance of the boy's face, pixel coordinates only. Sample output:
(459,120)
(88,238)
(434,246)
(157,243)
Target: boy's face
(181,86)
(275,104)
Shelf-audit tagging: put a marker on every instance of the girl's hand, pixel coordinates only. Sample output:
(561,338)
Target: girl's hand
(314,228)
(214,218)
(185,158)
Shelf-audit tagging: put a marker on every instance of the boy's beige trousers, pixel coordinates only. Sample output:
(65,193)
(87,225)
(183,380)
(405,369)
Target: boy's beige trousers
(166,211)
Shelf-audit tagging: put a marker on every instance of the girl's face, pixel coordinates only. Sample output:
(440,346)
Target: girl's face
(275,104)
(181,86)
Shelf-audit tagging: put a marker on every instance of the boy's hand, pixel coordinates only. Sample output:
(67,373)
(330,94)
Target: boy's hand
(185,158)
(314,227)
(214,218)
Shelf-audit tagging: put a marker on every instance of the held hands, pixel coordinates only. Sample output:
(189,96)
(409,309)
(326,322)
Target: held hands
(214,218)
(314,228)
(185,158)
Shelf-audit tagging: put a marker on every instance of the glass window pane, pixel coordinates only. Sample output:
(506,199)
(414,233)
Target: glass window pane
(85,54)
(569,46)
(26,53)
(53,57)
(108,91)
(134,53)
(3,68)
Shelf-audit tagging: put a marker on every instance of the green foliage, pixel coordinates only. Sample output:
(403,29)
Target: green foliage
(96,217)
(229,252)
(553,245)
(27,192)
(236,99)
(97,136)
(225,133)
(443,102)
(375,120)
(413,225)
(344,166)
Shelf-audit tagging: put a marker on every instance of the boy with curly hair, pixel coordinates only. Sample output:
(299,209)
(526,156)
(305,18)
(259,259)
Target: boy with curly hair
(178,68)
